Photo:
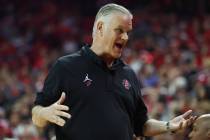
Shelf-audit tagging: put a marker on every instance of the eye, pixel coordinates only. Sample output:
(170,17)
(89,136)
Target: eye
(119,31)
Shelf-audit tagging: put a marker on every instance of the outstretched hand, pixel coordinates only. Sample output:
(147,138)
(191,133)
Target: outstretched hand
(182,121)
(54,112)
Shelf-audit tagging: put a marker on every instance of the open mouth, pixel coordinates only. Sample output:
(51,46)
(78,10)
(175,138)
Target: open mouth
(119,45)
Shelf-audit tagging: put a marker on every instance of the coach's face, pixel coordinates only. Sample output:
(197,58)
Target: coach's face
(199,131)
(115,34)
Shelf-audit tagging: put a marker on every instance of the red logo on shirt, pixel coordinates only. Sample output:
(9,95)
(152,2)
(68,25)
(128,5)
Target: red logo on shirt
(126,84)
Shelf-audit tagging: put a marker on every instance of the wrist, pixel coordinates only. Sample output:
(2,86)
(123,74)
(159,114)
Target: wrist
(37,116)
(168,128)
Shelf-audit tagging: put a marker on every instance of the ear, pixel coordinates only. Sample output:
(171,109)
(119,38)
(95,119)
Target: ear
(208,133)
(100,26)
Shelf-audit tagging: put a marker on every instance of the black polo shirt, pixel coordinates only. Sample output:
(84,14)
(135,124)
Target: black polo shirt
(105,103)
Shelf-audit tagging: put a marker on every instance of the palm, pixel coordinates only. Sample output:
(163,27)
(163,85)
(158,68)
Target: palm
(182,121)
(177,122)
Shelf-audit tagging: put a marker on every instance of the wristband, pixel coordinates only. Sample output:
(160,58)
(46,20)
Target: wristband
(168,129)
(168,126)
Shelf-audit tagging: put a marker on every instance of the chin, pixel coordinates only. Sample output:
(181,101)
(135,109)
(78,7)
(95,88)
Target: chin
(117,56)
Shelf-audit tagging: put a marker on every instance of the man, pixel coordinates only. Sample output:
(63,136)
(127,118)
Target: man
(93,95)
(201,128)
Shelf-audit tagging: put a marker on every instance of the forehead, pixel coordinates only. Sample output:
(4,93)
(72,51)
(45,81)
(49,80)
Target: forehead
(124,20)
(199,124)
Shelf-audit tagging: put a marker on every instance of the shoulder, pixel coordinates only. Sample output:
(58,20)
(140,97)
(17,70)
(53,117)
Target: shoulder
(129,70)
(70,60)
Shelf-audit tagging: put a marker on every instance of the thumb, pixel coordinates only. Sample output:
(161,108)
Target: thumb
(62,98)
(187,114)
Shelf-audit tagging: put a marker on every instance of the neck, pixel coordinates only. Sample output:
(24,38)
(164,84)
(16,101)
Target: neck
(99,52)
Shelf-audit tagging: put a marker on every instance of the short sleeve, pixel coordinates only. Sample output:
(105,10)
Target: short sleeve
(52,86)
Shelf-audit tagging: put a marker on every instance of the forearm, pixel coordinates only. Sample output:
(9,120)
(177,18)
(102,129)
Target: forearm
(37,118)
(154,127)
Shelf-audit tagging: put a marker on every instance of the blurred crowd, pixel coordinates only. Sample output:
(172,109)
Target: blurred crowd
(169,49)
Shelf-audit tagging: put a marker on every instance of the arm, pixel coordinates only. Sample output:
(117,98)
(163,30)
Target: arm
(42,115)
(154,127)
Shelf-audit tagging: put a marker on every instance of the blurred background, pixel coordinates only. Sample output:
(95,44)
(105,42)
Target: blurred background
(169,49)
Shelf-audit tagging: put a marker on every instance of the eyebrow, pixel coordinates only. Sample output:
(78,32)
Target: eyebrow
(121,27)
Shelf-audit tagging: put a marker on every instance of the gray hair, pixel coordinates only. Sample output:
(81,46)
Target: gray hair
(109,9)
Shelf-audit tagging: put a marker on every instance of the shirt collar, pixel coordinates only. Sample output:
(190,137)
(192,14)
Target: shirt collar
(118,63)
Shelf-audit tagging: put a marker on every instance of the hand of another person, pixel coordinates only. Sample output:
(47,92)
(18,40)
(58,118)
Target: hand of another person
(182,121)
(56,111)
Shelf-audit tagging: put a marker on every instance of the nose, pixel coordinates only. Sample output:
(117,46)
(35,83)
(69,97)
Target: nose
(125,36)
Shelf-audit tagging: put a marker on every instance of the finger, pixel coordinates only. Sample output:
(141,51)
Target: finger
(195,118)
(192,119)
(187,114)
(186,124)
(180,125)
(58,120)
(61,122)
(191,122)
(63,114)
(62,107)
(62,98)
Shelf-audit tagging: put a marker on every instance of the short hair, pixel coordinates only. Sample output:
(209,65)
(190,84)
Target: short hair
(205,118)
(110,9)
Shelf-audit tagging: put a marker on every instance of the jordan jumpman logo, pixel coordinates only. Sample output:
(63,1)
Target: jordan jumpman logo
(87,80)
